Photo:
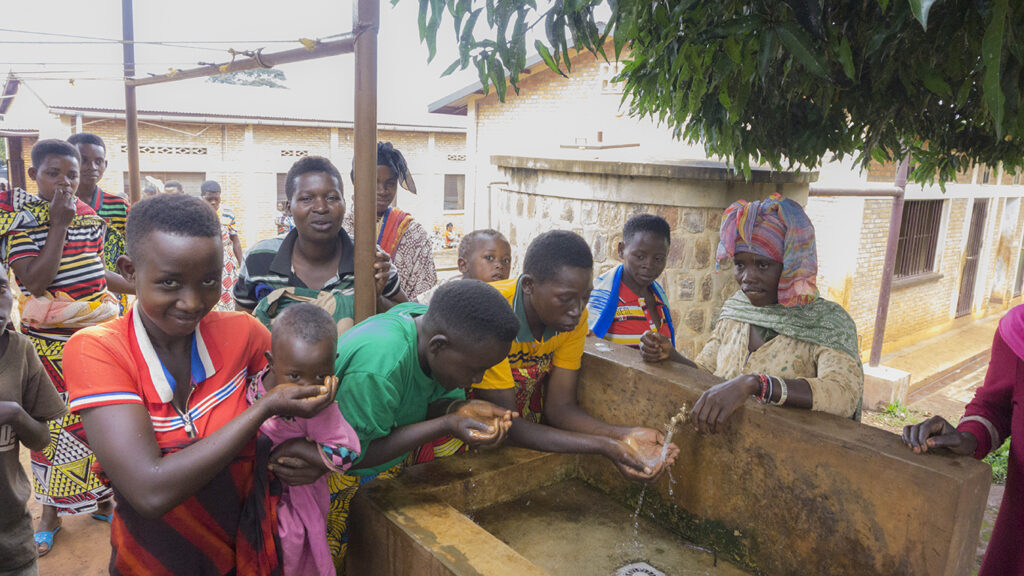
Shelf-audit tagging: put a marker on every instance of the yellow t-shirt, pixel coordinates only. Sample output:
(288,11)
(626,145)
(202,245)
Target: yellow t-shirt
(529,361)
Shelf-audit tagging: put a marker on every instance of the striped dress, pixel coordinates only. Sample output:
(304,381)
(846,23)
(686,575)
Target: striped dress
(62,472)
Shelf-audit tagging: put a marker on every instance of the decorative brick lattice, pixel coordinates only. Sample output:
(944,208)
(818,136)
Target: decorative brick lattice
(294,153)
(457,157)
(169,150)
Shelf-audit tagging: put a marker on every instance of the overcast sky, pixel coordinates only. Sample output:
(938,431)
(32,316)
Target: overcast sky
(404,76)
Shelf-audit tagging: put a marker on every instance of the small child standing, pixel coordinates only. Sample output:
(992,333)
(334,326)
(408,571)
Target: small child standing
(27,400)
(302,351)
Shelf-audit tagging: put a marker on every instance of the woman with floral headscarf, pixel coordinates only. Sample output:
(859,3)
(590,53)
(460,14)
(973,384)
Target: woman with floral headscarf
(775,338)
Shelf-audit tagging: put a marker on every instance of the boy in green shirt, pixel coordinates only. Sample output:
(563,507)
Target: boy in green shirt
(403,376)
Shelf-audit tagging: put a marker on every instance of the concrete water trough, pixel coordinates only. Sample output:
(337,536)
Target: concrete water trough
(781,491)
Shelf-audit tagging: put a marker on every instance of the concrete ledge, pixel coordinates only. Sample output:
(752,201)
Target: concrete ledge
(674,170)
(883,386)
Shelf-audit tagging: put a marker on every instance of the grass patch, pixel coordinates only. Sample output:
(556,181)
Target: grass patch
(997,460)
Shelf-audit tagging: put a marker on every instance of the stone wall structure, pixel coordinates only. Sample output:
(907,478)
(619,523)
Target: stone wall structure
(595,198)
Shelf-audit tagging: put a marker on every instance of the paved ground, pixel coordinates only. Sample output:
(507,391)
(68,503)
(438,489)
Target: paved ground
(937,357)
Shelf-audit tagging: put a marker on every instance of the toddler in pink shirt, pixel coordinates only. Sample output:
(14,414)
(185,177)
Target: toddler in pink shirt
(302,350)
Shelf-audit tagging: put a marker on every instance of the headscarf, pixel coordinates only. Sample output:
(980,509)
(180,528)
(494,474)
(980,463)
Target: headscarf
(776,228)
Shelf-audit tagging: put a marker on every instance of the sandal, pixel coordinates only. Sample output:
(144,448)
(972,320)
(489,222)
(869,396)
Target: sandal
(108,518)
(45,538)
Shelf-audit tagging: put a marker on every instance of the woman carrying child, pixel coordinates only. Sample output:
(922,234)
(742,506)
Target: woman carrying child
(53,242)
(775,338)
(162,396)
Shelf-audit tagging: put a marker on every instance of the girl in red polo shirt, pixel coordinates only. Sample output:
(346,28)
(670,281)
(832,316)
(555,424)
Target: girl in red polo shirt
(161,393)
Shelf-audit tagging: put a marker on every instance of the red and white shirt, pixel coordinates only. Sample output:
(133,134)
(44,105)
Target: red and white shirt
(115,363)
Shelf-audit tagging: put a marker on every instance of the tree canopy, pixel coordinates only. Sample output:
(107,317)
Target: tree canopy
(782,82)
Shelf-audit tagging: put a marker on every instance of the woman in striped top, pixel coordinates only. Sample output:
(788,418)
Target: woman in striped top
(54,244)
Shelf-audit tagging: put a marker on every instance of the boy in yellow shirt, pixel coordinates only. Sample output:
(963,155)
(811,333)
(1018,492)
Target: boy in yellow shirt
(538,379)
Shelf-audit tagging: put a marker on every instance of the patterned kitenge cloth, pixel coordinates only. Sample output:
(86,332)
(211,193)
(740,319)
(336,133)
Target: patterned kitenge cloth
(228,230)
(114,211)
(776,228)
(62,472)
(410,248)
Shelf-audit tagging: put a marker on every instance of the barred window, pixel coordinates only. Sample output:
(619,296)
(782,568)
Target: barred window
(454,191)
(919,237)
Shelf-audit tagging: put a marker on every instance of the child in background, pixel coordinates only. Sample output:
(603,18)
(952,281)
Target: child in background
(27,400)
(449,235)
(627,301)
(302,351)
(484,255)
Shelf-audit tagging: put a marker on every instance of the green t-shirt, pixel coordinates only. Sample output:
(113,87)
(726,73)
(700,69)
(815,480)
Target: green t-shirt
(382,386)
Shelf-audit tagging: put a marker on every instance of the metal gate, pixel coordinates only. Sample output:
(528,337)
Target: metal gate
(973,254)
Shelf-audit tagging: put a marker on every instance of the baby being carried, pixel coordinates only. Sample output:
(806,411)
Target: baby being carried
(302,351)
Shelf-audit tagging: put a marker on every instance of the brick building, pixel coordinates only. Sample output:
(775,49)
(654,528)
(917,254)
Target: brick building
(944,275)
(246,138)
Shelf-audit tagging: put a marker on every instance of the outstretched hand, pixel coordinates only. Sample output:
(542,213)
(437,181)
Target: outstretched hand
(936,432)
(717,403)
(298,400)
(647,445)
(655,346)
(481,424)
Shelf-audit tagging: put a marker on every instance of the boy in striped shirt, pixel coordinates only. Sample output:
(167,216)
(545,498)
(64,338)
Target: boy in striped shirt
(627,301)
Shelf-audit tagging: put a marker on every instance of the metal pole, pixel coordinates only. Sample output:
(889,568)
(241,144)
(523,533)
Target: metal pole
(343,45)
(130,104)
(366,19)
(888,268)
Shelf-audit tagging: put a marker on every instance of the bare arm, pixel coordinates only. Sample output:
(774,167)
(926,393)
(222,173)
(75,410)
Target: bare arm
(31,432)
(562,409)
(236,246)
(475,422)
(117,283)
(38,272)
(527,434)
(122,437)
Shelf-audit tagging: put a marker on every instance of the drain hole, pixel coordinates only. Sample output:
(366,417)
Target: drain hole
(639,569)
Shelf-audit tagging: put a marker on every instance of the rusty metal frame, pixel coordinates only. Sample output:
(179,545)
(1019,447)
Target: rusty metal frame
(897,192)
(363,43)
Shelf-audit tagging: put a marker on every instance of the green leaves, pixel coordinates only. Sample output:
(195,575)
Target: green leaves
(920,9)
(991,54)
(801,45)
(846,59)
(785,83)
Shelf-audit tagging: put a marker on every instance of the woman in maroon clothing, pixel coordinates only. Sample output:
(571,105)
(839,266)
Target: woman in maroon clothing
(988,421)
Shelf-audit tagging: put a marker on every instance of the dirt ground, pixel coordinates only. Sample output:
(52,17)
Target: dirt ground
(81,548)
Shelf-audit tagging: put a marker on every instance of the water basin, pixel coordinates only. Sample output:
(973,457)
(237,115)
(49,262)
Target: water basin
(573,529)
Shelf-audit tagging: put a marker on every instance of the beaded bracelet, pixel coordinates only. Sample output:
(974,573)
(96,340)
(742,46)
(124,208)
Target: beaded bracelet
(764,388)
